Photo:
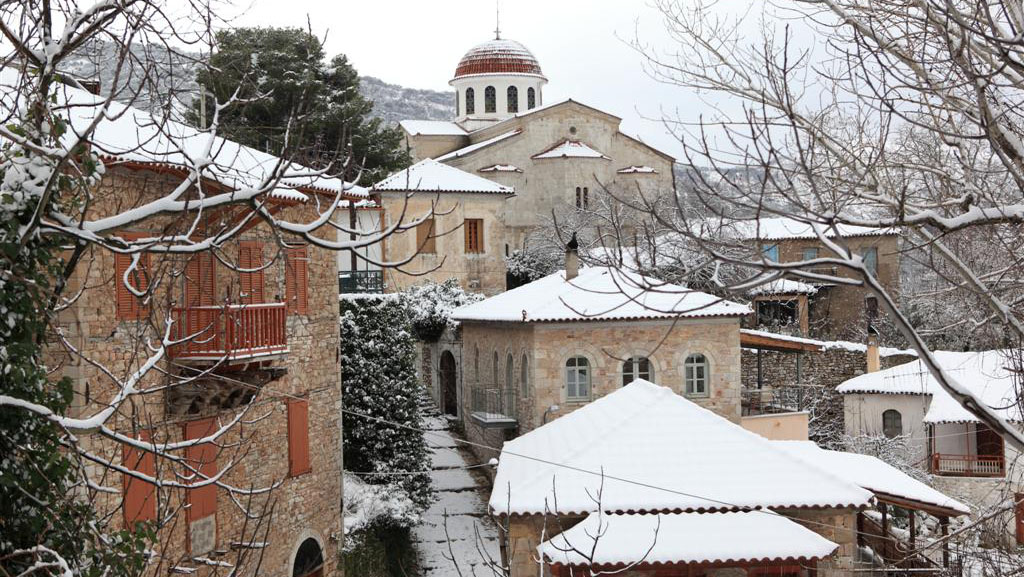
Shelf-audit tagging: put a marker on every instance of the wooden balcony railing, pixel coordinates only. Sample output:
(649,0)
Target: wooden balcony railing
(230,332)
(968,465)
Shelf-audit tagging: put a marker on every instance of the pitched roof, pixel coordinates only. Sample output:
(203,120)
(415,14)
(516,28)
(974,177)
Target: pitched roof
(478,146)
(988,374)
(734,538)
(650,450)
(432,128)
(783,286)
(598,293)
(788,228)
(571,149)
(432,176)
(875,475)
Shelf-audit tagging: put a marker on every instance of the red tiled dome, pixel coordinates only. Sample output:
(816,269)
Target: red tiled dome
(498,57)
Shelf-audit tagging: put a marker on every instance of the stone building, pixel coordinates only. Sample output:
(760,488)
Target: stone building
(253,367)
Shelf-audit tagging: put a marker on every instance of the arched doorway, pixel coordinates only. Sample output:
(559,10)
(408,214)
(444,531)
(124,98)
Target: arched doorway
(449,395)
(309,560)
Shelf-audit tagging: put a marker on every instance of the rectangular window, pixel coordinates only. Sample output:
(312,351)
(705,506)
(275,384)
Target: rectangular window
(202,501)
(810,253)
(139,496)
(426,242)
(771,252)
(870,256)
(298,437)
(296,280)
(129,306)
(474,235)
(250,256)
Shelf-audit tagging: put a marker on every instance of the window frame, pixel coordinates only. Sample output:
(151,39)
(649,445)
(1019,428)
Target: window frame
(770,252)
(576,366)
(531,98)
(474,233)
(490,100)
(687,365)
(470,101)
(886,427)
(809,253)
(512,99)
(869,255)
(631,367)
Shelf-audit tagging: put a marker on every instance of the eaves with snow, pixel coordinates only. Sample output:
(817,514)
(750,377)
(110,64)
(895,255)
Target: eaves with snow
(637,170)
(783,228)
(500,168)
(990,375)
(598,294)
(479,145)
(783,286)
(432,128)
(432,176)
(571,149)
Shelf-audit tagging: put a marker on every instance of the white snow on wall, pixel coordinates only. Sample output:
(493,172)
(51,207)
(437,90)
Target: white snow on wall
(432,176)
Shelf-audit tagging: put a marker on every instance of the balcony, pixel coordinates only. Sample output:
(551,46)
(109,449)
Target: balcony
(968,465)
(361,281)
(494,407)
(773,401)
(230,333)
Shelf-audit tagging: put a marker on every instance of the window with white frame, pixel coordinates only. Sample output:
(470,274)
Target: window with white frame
(577,379)
(637,368)
(695,375)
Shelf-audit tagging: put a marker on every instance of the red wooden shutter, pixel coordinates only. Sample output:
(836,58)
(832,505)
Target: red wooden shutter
(296,280)
(139,496)
(298,437)
(200,280)
(1019,517)
(250,256)
(202,501)
(474,235)
(129,306)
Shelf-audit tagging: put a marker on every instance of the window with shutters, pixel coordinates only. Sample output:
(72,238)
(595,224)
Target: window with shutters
(298,437)
(426,242)
(139,495)
(201,459)
(474,235)
(296,280)
(200,280)
(130,306)
(250,257)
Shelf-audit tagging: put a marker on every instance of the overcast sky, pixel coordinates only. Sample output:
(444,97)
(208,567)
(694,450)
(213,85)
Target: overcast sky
(580,45)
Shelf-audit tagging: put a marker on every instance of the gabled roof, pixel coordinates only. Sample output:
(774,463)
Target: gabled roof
(600,294)
(648,449)
(882,479)
(988,374)
(432,176)
(478,146)
(782,228)
(685,538)
(432,128)
(571,149)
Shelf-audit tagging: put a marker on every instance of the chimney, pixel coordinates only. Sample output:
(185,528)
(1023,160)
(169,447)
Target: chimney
(572,258)
(873,357)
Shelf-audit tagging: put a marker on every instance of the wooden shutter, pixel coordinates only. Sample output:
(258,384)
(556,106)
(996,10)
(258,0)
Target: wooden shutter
(202,501)
(129,306)
(298,437)
(426,242)
(139,497)
(250,256)
(474,235)
(1019,517)
(296,280)
(200,280)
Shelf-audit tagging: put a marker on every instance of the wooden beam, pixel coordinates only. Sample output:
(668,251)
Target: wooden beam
(754,341)
(944,525)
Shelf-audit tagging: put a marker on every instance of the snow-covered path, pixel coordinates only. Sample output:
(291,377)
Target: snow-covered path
(458,495)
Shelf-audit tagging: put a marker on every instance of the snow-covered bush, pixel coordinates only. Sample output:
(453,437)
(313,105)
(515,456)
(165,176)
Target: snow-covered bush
(529,265)
(897,451)
(380,391)
(366,506)
(430,306)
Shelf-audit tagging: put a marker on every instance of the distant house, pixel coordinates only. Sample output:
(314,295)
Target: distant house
(966,457)
(645,479)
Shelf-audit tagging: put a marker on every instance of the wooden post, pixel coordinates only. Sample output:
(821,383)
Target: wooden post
(860,528)
(885,529)
(944,524)
(803,315)
(913,528)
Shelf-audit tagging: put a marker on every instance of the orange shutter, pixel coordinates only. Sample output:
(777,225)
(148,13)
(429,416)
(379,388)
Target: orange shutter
(426,242)
(203,500)
(129,306)
(298,437)
(200,280)
(1019,517)
(250,256)
(139,496)
(296,280)
(474,235)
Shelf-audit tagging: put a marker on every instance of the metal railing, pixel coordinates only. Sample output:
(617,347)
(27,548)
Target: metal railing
(774,400)
(968,465)
(494,403)
(361,281)
(230,332)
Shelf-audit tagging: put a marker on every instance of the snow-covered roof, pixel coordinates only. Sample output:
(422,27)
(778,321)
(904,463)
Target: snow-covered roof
(788,228)
(571,149)
(432,128)
(648,449)
(479,145)
(987,374)
(431,176)
(873,474)
(678,538)
(598,293)
(637,170)
(783,286)
(500,168)
(830,345)
(130,135)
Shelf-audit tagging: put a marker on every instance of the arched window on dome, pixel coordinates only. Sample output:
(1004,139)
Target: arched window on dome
(490,100)
(513,99)
(531,98)
(470,101)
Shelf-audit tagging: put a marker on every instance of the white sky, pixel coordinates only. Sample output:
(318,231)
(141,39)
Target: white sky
(580,45)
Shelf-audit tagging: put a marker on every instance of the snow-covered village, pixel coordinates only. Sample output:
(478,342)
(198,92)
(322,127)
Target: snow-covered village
(483,288)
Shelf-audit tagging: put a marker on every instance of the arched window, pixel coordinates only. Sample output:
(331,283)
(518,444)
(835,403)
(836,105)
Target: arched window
(490,100)
(513,99)
(495,369)
(510,372)
(892,423)
(531,98)
(695,375)
(637,368)
(309,560)
(582,197)
(470,101)
(577,379)
(524,376)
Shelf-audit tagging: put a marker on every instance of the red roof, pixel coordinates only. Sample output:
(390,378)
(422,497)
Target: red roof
(498,57)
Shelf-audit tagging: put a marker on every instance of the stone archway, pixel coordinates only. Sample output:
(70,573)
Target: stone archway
(309,560)
(449,386)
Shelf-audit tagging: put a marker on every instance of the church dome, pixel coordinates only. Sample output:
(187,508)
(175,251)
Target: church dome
(498,56)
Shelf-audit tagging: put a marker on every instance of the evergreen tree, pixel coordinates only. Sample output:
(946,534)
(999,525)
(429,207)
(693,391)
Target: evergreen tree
(321,99)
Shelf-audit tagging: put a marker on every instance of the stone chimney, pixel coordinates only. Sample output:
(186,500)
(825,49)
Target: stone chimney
(572,258)
(874,358)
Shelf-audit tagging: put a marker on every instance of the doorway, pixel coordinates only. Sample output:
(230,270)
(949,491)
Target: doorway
(449,392)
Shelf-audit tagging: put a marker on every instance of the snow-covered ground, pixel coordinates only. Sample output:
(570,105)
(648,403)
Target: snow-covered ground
(471,535)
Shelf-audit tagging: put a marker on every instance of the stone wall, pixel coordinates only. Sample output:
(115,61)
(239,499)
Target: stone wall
(828,368)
